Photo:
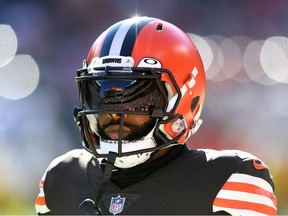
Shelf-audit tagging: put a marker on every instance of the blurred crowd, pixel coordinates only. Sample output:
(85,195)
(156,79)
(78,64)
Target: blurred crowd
(58,34)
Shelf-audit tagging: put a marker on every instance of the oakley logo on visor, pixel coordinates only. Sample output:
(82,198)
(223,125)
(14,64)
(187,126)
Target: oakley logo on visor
(150,62)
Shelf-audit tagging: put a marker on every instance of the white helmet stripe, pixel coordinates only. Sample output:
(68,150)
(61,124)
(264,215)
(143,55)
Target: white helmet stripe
(119,37)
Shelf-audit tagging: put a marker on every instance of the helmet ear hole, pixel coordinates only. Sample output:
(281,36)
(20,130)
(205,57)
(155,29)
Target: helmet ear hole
(194,103)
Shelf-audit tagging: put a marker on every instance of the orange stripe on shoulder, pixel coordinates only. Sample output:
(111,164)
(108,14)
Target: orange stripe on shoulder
(236,204)
(40,200)
(249,188)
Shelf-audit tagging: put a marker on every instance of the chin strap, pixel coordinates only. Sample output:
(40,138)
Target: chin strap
(88,206)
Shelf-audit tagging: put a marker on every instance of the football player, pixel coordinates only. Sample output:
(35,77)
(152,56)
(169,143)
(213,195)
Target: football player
(141,94)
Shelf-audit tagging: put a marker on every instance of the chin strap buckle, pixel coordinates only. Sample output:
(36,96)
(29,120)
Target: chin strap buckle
(196,125)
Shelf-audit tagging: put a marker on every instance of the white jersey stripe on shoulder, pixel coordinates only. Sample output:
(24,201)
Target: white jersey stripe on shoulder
(247,197)
(116,45)
(238,212)
(41,192)
(42,209)
(244,178)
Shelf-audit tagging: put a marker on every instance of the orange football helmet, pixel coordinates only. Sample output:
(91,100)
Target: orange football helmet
(143,66)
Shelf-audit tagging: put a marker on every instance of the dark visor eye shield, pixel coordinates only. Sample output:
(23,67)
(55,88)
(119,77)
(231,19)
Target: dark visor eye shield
(124,95)
(114,89)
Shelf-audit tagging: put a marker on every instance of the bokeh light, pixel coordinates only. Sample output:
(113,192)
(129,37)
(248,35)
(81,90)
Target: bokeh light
(204,49)
(252,65)
(8,44)
(263,62)
(19,75)
(218,58)
(274,58)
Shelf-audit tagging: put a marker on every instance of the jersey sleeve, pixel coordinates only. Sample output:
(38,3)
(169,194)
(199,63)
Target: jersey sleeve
(40,203)
(248,191)
(64,172)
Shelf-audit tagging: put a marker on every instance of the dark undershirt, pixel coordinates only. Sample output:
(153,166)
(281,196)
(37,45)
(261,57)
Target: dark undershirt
(126,177)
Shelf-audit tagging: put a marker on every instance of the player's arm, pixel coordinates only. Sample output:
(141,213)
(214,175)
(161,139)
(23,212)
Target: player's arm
(248,191)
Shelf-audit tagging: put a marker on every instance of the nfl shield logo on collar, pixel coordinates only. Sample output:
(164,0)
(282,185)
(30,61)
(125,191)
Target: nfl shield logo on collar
(116,205)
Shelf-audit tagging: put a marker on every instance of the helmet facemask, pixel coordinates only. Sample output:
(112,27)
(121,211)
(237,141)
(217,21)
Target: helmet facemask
(123,91)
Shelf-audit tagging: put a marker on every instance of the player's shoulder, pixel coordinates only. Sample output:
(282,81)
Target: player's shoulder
(64,173)
(222,158)
(238,156)
(249,183)
(212,154)
(240,162)
(75,157)
(72,165)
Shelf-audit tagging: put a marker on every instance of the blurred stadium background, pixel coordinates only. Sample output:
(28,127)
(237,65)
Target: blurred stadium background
(244,46)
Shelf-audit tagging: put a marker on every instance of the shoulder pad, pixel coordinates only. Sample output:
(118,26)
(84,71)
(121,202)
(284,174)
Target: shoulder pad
(80,154)
(212,154)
